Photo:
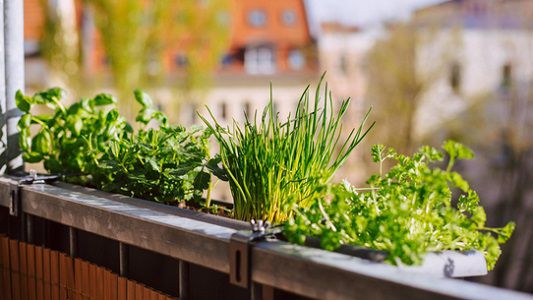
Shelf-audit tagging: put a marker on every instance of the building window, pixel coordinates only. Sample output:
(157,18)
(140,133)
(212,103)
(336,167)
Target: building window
(288,17)
(227,60)
(181,60)
(296,59)
(257,18)
(455,77)
(259,60)
(507,76)
(223,110)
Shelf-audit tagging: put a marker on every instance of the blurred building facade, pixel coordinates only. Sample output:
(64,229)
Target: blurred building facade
(342,50)
(270,42)
(492,53)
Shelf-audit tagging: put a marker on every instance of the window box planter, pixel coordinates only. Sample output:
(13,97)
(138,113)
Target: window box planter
(203,239)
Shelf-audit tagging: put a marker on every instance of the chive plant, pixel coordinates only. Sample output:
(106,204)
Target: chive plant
(274,165)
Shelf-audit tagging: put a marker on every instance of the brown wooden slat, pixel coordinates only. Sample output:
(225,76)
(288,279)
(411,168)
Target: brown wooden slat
(92,280)
(107,282)
(15,270)
(99,283)
(6,278)
(47,276)
(113,281)
(30,251)
(139,291)
(39,273)
(130,290)
(122,288)
(71,288)
(62,276)
(154,295)
(85,280)
(78,280)
(54,274)
(146,293)
(23,268)
(66,277)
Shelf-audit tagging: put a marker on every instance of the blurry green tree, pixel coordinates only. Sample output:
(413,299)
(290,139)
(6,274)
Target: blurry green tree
(397,82)
(60,45)
(135,35)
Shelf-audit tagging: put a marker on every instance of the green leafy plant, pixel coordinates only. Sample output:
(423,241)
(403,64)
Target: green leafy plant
(273,165)
(407,211)
(70,140)
(92,144)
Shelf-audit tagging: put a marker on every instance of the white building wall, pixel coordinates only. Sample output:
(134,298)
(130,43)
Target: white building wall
(482,55)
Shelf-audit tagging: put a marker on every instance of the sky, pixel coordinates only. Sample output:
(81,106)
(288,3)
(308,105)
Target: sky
(362,12)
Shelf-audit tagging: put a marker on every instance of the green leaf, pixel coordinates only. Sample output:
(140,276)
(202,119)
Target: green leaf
(32,157)
(55,92)
(143,99)
(42,143)
(457,150)
(212,166)
(22,102)
(376,152)
(479,216)
(506,232)
(145,115)
(459,182)
(468,203)
(201,181)
(24,122)
(25,139)
(103,99)
(53,165)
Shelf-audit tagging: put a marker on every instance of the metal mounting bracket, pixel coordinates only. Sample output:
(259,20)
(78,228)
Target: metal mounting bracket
(240,254)
(33,177)
(14,201)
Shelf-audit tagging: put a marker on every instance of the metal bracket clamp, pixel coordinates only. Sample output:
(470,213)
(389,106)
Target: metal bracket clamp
(33,177)
(14,199)
(240,250)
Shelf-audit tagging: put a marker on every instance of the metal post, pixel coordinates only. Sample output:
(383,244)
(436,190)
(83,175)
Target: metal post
(72,241)
(123,259)
(183,273)
(261,292)
(29,229)
(14,77)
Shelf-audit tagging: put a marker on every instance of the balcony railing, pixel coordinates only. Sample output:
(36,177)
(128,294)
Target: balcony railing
(190,251)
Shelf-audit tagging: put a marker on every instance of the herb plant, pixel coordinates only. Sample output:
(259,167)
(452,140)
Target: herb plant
(273,165)
(70,140)
(407,211)
(92,144)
